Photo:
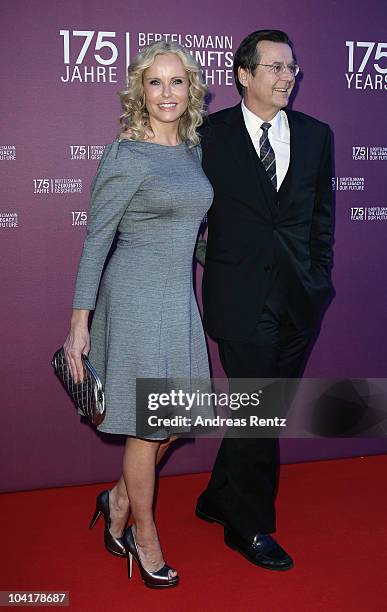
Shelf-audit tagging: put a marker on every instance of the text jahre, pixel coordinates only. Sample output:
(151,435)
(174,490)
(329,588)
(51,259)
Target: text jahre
(91,74)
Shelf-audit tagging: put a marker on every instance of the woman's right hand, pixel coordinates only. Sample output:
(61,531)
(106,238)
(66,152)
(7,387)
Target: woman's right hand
(76,344)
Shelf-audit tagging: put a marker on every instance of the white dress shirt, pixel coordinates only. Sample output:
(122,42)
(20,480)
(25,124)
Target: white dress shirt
(279,137)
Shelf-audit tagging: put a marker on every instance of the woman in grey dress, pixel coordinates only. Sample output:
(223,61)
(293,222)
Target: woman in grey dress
(150,188)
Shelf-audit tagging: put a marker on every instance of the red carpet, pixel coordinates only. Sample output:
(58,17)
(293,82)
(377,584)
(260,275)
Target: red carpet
(332,517)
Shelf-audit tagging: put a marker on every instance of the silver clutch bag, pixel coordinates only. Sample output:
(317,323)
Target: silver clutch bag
(88,396)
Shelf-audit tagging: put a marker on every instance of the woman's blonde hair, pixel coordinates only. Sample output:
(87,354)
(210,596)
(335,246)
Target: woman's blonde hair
(135,117)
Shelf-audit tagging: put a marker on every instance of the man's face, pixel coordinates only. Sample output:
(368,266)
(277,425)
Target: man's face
(266,93)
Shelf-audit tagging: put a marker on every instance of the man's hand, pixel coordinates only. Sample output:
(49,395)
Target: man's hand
(200,253)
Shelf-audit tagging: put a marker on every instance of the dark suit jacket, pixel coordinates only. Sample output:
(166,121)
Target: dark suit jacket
(254,230)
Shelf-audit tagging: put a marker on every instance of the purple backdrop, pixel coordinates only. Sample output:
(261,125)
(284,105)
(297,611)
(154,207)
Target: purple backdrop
(62,65)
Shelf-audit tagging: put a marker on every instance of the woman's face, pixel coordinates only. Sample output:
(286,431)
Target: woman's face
(166,87)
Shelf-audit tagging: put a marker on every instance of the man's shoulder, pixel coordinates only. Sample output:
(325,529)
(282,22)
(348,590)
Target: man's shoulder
(224,115)
(307,121)
(215,123)
(229,115)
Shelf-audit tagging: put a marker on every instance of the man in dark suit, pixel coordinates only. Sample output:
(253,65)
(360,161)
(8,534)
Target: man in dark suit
(267,269)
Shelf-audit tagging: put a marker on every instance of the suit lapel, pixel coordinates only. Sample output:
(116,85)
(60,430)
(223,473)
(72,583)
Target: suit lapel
(249,163)
(296,162)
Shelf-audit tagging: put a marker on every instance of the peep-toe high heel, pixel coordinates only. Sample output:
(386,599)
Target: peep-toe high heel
(114,545)
(155,580)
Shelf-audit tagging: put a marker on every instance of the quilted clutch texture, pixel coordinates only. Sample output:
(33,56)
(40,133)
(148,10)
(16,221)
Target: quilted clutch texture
(88,396)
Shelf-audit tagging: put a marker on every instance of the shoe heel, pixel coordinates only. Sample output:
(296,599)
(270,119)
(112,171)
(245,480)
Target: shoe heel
(130,565)
(95,518)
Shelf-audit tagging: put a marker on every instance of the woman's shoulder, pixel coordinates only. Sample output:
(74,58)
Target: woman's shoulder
(197,150)
(117,150)
(127,137)
(120,158)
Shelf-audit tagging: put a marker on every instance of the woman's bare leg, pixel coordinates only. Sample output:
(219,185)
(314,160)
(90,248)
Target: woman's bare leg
(139,474)
(118,497)
(119,508)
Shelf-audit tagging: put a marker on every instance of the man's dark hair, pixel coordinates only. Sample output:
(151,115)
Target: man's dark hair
(247,55)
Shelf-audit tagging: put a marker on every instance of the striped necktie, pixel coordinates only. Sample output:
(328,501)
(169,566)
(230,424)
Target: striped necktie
(266,154)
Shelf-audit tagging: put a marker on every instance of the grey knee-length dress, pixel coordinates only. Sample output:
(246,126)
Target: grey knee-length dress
(146,322)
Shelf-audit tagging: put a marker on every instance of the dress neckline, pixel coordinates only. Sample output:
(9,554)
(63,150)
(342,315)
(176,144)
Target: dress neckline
(157,144)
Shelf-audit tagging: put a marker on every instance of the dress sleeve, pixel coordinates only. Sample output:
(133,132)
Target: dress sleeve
(118,178)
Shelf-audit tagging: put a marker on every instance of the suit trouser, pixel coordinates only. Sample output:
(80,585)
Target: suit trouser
(244,478)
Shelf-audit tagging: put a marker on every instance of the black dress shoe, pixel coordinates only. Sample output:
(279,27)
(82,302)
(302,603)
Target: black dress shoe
(208,511)
(263,550)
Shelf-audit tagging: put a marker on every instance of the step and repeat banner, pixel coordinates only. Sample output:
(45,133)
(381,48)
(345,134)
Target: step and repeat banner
(62,66)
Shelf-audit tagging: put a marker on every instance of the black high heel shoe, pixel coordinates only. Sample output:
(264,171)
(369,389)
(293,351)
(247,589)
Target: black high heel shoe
(154,580)
(114,545)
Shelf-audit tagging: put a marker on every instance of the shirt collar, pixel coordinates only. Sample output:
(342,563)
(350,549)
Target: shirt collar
(279,124)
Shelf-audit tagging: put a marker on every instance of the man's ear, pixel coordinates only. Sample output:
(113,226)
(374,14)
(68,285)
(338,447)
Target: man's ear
(243,75)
